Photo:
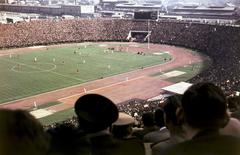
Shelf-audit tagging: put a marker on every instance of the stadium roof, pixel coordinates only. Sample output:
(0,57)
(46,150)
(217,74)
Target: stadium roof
(178,88)
(132,5)
(203,8)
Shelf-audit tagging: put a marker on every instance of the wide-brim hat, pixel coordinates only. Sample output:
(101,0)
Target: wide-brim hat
(124,119)
(95,112)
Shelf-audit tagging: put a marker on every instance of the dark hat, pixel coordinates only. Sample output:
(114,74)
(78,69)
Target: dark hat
(95,112)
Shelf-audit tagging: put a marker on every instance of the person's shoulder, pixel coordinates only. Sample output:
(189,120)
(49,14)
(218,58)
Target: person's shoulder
(129,146)
(163,146)
(219,145)
(157,132)
(217,139)
(170,148)
(157,148)
(157,136)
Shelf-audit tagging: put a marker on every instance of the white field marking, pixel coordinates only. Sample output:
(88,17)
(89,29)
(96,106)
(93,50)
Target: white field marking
(102,45)
(160,53)
(174,73)
(84,44)
(84,83)
(35,47)
(43,70)
(41,113)
(78,79)
(101,88)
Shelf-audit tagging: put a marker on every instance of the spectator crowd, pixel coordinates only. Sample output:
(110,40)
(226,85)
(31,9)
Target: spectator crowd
(202,121)
(204,118)
(219,42)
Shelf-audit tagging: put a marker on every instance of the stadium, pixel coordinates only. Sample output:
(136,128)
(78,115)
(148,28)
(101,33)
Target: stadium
(47,65)
(221,46)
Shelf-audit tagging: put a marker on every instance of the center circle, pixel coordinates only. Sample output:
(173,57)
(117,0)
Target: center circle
(33,68)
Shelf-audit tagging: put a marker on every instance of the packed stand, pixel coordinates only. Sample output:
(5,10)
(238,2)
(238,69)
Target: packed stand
(198,122)
(220,42)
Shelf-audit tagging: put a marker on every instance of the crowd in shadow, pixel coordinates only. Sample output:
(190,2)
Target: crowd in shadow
(201,121)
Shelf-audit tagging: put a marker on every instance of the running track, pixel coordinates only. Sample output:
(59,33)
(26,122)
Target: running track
(119,88)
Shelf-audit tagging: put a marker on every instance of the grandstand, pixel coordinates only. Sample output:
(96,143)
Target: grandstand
(50,55)
(209,39)
(217,41)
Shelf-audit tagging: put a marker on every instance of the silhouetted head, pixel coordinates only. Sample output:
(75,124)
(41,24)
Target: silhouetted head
(205,106)
(172,103)
(159,117)
(95,112)
(123,126)
(22,134)
(148,119)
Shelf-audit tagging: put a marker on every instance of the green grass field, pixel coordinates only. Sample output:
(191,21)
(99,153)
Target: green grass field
(58,116)
(57,68)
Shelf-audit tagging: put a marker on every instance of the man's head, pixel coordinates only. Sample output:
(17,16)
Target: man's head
(148,119)
(123,126)
(95,112)
(22,134)
(171,106)
(205,106)
(159,117)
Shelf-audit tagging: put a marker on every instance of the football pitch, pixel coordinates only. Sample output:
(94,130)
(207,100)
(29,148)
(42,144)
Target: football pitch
(49,69)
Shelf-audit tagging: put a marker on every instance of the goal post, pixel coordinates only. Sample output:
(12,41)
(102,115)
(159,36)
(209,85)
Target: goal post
(139,36)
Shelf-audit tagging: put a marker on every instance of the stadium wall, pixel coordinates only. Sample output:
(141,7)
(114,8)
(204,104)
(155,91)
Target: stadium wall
(220,42)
